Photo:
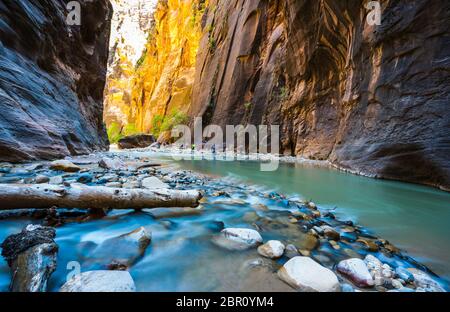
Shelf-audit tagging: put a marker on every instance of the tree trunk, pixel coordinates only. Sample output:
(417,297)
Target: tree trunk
(21,196)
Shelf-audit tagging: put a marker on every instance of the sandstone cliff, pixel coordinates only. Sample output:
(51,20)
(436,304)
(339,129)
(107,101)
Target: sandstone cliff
(371,99)
(147,94)
(52,78)
(131,23)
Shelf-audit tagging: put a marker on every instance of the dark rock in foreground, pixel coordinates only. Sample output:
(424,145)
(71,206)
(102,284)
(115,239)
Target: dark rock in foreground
(31,256)
(136,141)
(52,78)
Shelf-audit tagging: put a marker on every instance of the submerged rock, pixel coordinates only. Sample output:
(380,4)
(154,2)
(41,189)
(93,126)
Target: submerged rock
(64,165)
(238,239)
(425,281)
(306,275)
(100,281)
(404,274)
(40,179)
(272,249)
(31,256)
(123,251)
(162,213)
(356,270)
(86,177)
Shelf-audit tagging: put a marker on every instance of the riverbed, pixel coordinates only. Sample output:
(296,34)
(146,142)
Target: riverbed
(182,256)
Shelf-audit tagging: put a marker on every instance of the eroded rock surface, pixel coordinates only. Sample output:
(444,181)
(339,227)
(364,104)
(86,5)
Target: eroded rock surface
(52,78)
(31,256)
(371,99)
(100,281)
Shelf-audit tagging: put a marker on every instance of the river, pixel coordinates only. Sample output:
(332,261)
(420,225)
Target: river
(182,258)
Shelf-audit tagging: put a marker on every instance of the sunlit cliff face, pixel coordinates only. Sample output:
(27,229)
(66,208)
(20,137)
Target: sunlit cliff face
(152,64)
(131,24)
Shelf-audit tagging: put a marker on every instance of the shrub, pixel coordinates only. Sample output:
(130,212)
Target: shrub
(114,132)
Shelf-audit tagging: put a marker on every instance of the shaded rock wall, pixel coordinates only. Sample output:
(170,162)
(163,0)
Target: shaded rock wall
(52,78)
(371,99)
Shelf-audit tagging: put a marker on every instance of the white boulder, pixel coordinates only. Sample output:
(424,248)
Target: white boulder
(356,270)
(100,281)
(238,239)
(306,275)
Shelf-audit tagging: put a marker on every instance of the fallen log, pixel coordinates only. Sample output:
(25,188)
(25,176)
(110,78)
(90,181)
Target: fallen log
(44,196)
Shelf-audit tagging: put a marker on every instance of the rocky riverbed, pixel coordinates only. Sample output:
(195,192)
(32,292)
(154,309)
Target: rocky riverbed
(239,238)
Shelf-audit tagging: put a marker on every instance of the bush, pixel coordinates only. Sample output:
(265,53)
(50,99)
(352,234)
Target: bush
(114,132)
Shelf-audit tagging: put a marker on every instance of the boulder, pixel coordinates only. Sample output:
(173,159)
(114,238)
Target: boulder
(238,239)
(306,275)
(100,281)
(64,165)
(357,271)
(272,249)
(136,141)
(122,251)
(153,183)
(31,256)
(111,164)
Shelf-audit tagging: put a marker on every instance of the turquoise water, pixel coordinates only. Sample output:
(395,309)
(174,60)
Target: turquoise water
(414,218)
(181,256)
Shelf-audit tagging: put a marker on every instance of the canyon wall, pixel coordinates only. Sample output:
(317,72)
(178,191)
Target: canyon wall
(52,78)
(131,24)
(151,93)
(370,99)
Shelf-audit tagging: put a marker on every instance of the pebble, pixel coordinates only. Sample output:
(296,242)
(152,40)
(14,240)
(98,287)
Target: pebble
(114,185)
(40,179)
(85,178)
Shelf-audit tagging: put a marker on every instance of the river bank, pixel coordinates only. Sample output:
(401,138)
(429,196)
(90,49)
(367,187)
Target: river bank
(196,249)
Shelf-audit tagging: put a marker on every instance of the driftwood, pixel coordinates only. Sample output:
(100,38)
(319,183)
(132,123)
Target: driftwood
(43,196)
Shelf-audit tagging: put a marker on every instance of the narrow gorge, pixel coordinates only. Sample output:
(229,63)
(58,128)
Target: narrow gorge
(89,172)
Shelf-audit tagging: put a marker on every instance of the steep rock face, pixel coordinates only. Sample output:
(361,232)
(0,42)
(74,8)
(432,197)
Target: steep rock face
(371,99)
(131,22)
(52,77)
(163,83)
(154,91)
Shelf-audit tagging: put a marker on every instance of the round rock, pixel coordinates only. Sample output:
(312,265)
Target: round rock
(356,270)
(100,281)
(238,239)
(272,249)
(306,275)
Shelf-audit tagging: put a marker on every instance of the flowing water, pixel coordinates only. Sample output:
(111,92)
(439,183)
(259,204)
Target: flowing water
(415,218)
(182,257)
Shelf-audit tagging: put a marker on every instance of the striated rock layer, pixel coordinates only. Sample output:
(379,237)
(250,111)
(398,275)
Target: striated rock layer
(52,78)
(370,99)
(151,92)
(132,21)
